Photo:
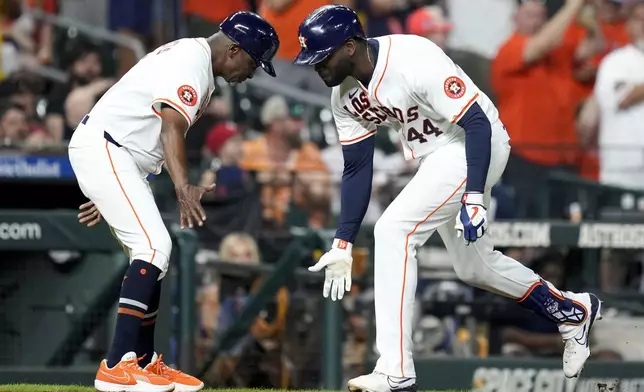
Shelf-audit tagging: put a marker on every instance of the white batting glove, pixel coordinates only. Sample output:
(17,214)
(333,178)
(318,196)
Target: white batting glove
(337,269)
(471,221)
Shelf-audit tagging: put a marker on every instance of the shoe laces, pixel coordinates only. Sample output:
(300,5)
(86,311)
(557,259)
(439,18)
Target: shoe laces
(161,368)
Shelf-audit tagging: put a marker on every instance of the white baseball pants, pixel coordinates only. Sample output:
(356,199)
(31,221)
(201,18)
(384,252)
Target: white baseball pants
(428,203)
(109,176)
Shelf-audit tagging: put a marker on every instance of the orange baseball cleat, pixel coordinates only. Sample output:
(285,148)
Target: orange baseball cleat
(182,382)
(128,376)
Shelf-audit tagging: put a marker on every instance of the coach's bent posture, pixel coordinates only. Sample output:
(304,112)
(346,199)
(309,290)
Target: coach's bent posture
(408,83)
(139,124)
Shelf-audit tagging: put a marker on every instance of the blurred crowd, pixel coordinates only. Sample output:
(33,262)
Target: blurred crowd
(277,162)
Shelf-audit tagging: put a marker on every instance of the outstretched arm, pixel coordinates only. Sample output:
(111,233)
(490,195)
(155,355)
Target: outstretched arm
(355,195)
(355,191)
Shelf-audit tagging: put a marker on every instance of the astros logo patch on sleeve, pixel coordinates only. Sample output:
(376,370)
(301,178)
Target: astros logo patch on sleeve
(187,95)
(454,87)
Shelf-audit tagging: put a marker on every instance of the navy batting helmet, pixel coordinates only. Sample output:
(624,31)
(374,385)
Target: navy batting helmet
(324,30)
(254,35)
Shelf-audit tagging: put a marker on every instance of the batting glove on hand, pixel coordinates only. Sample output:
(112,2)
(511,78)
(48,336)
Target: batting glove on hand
(471,221)
(337,269)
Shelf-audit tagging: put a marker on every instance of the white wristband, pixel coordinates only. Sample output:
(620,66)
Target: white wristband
(342,244)
(473,198)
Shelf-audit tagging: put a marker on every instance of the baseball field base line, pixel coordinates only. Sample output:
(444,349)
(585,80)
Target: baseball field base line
(76,388)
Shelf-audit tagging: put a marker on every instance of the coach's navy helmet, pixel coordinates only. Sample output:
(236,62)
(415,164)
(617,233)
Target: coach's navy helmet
(324,30)
(254,35)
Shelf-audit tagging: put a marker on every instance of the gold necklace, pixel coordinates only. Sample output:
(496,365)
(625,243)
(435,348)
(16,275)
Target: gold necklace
(369,53)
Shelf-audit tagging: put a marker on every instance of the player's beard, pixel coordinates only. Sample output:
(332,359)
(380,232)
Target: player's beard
(343,69)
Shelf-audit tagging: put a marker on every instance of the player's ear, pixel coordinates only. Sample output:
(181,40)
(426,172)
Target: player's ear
(350,46)
(233,49)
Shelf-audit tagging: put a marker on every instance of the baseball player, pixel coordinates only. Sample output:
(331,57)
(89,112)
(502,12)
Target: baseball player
(136,126)
(406,82)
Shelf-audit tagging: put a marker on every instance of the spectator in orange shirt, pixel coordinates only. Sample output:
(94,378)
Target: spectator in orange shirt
(289,169)
(286,16)
(203,17)
(533,87)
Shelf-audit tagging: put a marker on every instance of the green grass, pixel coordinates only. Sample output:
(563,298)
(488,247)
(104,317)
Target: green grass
(75,388)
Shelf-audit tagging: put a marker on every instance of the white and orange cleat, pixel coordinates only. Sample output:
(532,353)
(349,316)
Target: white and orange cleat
(128,376)
(182,382)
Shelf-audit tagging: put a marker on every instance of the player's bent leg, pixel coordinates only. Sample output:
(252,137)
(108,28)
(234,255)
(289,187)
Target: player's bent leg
(431,198)
(574,313)
(110,178)
(182,382)
(479,265)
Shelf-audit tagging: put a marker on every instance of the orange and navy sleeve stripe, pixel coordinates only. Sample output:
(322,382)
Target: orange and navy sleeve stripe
(465,108)
(179,108)
(358,139)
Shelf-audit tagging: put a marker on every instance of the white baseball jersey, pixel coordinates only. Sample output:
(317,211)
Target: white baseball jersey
(178,74)
(621,132)
(415,89)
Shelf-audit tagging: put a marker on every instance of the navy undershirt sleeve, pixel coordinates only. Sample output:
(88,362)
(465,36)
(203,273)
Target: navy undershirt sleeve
(355,189)
(478,134)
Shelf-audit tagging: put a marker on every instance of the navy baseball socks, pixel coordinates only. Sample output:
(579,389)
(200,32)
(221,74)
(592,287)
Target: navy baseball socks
(551,303)
(145,344)
(574,314)
(137,291)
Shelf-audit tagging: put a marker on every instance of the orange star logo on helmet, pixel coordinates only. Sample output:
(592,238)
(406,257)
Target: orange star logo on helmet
(302,42)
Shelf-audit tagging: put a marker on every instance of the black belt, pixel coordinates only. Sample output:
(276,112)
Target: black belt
(106,135)
(110,139)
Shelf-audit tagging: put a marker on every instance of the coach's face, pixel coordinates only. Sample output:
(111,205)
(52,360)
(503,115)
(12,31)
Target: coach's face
(240,66)
(338,66)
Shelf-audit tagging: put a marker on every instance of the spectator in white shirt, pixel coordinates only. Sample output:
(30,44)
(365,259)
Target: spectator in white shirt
(618,108)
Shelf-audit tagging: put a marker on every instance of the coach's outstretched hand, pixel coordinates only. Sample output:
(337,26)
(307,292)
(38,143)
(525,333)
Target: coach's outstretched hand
(189,197)
(337,272)
(471,221)
(89,214)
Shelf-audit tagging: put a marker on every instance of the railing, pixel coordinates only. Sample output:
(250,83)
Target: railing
(139,50)
(94,32)
(290,92)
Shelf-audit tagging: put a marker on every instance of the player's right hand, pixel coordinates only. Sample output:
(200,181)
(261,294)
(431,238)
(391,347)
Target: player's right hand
(337,272)
(189,197)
